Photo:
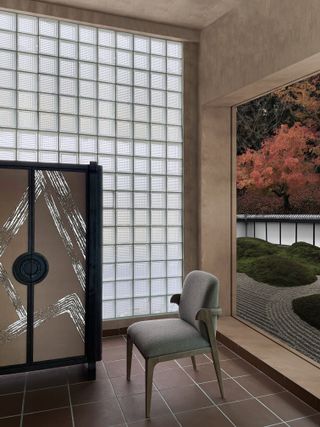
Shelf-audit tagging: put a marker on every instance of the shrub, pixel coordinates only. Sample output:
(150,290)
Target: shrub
(308,309)
(279,270)
(305,251)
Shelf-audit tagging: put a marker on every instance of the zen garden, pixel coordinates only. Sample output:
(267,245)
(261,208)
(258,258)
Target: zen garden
(278,177)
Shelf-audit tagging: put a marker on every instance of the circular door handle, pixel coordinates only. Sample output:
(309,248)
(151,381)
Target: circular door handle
(30,268)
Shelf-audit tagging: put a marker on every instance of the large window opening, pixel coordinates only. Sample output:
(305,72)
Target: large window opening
(72,93)
(278,221)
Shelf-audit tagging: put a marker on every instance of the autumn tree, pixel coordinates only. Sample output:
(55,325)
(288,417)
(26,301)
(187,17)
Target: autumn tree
(285,163)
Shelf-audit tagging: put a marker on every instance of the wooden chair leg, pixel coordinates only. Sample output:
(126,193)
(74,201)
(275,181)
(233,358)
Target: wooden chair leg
(150,364)
(129,356)
(193,360)
(216,364)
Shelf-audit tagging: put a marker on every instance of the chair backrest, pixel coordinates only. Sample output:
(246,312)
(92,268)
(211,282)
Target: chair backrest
(200,290)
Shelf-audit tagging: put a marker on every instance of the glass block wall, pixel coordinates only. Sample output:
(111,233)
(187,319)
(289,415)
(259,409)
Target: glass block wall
(74,93)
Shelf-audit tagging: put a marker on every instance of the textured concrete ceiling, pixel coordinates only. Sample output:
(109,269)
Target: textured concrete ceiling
(195,14)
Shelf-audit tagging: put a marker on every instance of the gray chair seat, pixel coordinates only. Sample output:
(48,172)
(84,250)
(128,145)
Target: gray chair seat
(165,336)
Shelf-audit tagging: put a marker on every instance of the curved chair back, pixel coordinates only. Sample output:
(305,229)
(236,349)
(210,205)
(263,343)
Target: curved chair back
(200,290)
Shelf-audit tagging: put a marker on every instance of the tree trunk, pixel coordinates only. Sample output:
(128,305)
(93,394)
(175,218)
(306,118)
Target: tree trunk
(286,203)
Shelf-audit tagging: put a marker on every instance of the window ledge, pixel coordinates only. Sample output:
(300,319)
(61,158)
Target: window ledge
(288,368)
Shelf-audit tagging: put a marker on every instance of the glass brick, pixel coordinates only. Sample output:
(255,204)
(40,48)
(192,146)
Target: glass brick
(124,271)
(141,96)
(106,37)
(123,94)
(174,100)
(174,151)
(7,136)
(174,184)
(27,120)
(107,162)
(7,21)
(158,183)
(141,252)
(124,76)
(141,235)
(158,115)
(141,78)
(141,44)
(87,89)
(48,27)
(27,24)
(141,61)
(158,269)
(87,107)
(68,31)
(48,141)
(174,83)
(124,58)
(68,123)
(7,79)
(141,113)
(124,182)
(106,91)
(141,182)
(48,46)
(46,83)
(158,64)
(27,156)
(106,109)
(27,140)
(174,251)
(158,81)
(108,254)
(87,53)
(124,111)
(8,40)
(68,105)
(158,98)
(124,290)
(28,62)
(124,41)
(87,71)
(87,34)
(6,154)
(26,43)
(158,251)
(88,125)
(106,127)
(174,66)
(123,307)
(158,234)
(124,235)
(141,270)
(106,55)
(141,148)
(27,101)
(158,47)
(124,129)
(108,309)
(141,165)
(68,142)
(68,49)
(158,287)
(124,200)
(8,59)
(158,201)
(106,146)
(88,144)
(48,122)
(158,132)
(68,86)
(68,68)
(7,98)
(158,217)
(106,73)
(47,65)
(48,102)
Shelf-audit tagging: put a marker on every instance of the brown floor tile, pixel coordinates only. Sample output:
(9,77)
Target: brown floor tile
(10,404)
(115,341)
(226,354)
(237,367)
(99,414)
(232,391)
(185,398)
(249,413)
(122,387)
(313,421)
(46,378)
(164,366)
(79,373)
(119,369)
(91,391)
(203,373)
(207,417)
(114,353)
(166,421)
(55,418)
(45,399)
(10,422)
(186,361)
(13,383)
(287,406)
(171,378)
(259,384)
(134,407)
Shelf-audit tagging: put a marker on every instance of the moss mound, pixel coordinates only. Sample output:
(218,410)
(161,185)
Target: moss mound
(308,309)
(278,270)
(248,247)
(305,251)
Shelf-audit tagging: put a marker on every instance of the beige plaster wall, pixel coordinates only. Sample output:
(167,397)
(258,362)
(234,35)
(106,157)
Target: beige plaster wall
(251,50)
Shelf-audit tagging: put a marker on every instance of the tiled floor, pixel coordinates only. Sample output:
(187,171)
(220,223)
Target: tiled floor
(181,397)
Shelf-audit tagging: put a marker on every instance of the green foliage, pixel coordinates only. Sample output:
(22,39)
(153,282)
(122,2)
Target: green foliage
(308,309)
(277,265)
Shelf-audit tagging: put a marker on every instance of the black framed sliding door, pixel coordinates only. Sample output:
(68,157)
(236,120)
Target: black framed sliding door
(50,265)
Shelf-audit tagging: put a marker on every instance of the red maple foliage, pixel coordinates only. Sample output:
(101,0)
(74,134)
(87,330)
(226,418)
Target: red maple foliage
(286,164)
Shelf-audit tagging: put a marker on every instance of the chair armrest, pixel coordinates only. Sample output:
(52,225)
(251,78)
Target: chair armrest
(175,299)
(205,314)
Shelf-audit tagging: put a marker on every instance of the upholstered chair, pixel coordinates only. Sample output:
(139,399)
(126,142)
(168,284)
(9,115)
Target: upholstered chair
(194,332)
